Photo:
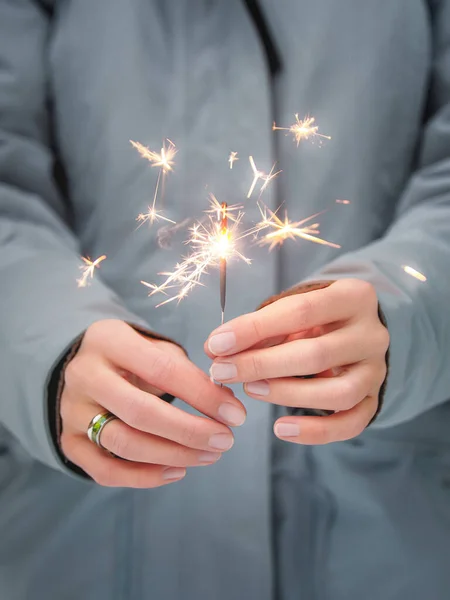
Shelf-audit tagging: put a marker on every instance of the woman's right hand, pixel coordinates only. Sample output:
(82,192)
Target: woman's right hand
(118,370)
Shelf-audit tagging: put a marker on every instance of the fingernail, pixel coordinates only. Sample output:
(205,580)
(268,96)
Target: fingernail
(208,457)
(287,430)
(223,371)
(221,441)
(231,414)
(258,388)
(173,473)
(222,342)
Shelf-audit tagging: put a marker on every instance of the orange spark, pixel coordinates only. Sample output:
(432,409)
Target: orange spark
(210,244)
(284,230)
(165,161)
(417,274)
(232,158)
(342,201)
(88,270)
(302,129)
(151,216)
(260,175)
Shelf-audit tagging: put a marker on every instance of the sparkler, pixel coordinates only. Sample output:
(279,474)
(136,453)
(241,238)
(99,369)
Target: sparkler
(213,239)
(417,274)
(223,259)
(165,161)
(232,158)
(260,175)
(212,244)
(302,129)
(88,269)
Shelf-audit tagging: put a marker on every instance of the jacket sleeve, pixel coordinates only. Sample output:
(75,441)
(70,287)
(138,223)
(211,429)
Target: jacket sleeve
(417,312)
(41,309)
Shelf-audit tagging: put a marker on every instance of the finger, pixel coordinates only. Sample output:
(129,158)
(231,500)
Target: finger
(175,375)
(285,316)
(324,430)
(341,392)
(300,357)
(283,339)
(112,472)
(132,444)
(148,413)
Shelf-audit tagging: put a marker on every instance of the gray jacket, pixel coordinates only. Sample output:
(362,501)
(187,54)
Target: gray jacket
(364,519)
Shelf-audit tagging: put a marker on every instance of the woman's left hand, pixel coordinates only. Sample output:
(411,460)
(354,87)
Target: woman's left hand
(334,333)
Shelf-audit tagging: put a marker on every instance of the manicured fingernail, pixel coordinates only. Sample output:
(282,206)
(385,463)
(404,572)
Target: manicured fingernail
(221,441)
(231,414)
(287,430)
(257,388)
(208,457)
(223,371)
(173,473)
(220,343)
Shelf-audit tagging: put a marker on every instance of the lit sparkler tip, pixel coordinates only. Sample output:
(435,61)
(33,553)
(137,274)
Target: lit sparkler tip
(232,158)
(222,209)
(88,269)
(212,244)
(417,274)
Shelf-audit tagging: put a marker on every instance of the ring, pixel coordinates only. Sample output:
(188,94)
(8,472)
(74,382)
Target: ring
(96,427)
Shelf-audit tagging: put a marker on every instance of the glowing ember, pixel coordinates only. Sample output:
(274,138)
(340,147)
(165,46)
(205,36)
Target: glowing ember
(302,129)
(342,201)
(414,273)
(88,269)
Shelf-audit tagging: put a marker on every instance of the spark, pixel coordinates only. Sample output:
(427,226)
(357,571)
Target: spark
(260,175)
(222,210)
(417,274)
(282,230)
(152,215)
(302,129)
(232,158)
(165,161)
(212,244)
(343,202)
(88,269)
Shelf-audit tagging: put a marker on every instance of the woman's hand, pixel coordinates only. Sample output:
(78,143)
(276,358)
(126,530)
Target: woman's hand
(334,333)
(118,370)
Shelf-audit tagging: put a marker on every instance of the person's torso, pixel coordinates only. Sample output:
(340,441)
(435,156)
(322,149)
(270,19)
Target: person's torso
(196,72)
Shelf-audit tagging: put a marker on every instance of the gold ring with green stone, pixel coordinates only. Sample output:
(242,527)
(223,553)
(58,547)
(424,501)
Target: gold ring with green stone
(96,427)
